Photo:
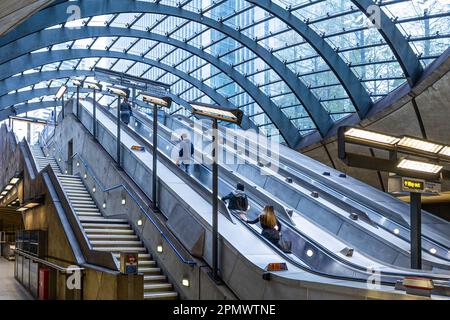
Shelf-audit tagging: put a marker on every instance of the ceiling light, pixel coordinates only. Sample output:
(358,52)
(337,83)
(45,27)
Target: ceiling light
(124,201)
(139,222)
(4,193)
(371,136)
(77,82)
(419,166)
(396,231)
(157,99)
(93,85)
(9,187)
(159,248)
(421,145)
(61,91)
(120,91)
(23,209)
(216,112)
(14,180)
(309,253)
(433,251)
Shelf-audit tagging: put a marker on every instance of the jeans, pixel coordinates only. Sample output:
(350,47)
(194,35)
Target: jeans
(185,165)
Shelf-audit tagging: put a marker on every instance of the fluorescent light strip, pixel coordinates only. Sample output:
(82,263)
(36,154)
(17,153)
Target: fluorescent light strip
(420,145)
(419,166)
(371,136)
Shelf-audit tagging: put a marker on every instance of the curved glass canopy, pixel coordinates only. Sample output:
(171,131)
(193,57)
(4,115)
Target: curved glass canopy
(293,66)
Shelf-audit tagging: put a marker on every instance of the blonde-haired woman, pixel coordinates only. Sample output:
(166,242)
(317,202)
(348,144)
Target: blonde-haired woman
(270,225)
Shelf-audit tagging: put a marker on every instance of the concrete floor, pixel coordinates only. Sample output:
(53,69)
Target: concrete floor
(10,289)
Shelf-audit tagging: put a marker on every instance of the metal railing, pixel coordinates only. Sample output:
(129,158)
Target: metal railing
(49,264)
(121,186)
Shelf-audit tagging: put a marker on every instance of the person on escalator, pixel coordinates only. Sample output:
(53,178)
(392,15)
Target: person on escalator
(237,201)
(185,152)
(271,227)
(125,111)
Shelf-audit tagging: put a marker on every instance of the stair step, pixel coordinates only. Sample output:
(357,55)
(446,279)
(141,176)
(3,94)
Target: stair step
(84,201)
(141,256)
(116,243)
(89,214)
(164,287)
(112,237)
(171,295)
(106,226)
(75,185)
(109,232)
(79,208)
(77,192)
(149,270)
(146,263)
(154,277)
(74,189)
(121,249)
(82,198)
(69,178)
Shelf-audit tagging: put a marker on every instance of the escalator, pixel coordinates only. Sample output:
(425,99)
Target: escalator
(332,210)
(323,262)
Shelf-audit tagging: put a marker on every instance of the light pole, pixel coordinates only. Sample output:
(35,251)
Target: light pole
(95,86)
(60,96)
(161,101)
(228,115)
(78,83)
(121,92)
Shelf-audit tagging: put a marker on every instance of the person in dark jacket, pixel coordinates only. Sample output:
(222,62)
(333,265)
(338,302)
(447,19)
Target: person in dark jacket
(270,225)
(125,111)
(238,201)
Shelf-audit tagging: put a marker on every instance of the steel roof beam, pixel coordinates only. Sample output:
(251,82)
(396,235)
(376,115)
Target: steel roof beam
(355,90)
(32,78)
(318,113)
(400,47)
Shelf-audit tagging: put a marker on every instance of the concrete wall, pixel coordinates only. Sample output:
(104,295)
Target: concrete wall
(432,98)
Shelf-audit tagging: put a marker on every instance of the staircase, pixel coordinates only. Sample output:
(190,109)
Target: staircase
(111,235)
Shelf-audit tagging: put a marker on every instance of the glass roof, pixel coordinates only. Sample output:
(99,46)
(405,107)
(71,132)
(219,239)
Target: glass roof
(364,50)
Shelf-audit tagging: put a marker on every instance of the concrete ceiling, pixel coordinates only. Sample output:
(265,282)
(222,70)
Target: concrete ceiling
(13,12)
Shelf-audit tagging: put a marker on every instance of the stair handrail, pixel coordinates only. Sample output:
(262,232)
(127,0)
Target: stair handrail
(107,190)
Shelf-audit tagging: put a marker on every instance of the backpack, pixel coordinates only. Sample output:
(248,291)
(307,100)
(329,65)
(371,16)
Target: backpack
(241,201)
(180,153)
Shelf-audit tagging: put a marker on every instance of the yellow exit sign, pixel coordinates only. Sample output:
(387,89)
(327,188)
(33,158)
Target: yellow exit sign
(416,185)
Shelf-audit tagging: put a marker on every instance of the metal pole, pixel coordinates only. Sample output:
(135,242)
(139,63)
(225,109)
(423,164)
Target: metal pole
(94,117)
(118,132)
(416,230)
(62,109)
(155,157)
(54,116)
(215,203)
(78,102)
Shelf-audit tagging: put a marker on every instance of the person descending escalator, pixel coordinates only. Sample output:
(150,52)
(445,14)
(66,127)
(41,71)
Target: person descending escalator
(238,201)
(125,111)
(271,227)
(186,150)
